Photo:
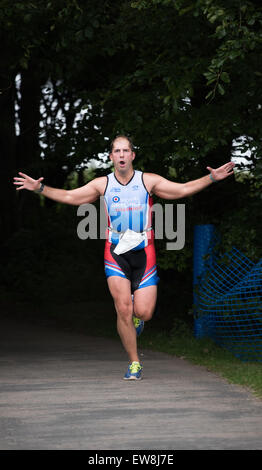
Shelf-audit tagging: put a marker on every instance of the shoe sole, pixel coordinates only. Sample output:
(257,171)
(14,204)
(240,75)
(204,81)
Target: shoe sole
(132,378)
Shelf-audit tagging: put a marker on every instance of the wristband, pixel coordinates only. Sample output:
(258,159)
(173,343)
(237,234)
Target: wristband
(40,189)
(212,179)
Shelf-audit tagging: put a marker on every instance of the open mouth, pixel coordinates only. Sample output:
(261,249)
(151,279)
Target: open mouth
(122,163)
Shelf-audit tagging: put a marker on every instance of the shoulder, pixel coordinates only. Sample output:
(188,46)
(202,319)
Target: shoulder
(150,180)
(100,184)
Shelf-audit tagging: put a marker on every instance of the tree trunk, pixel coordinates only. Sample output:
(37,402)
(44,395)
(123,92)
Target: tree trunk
(28,149)
(7,151)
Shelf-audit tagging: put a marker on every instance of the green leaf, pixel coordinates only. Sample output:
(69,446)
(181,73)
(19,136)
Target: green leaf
(167,99)
(213,18)
(211,81)
(209,94)
(221,89)
(225,77)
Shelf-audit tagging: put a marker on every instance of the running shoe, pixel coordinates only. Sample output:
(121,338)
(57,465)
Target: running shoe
(139,325)
(133,372)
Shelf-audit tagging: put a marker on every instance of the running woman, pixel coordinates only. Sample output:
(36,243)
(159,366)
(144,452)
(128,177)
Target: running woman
(130,259)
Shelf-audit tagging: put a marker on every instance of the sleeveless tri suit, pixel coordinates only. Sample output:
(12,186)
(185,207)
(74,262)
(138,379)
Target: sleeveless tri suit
(129,207)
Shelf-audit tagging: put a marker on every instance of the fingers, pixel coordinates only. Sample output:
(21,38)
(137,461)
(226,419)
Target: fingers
(228,167)
(19,182)
(23,174)
(25,182)
(26,177)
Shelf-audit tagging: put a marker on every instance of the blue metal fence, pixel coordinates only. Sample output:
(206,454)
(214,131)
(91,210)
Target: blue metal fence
(227,297)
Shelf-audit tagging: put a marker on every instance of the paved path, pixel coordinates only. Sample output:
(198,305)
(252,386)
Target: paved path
(62,390)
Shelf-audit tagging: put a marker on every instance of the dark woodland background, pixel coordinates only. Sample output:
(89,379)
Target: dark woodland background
(183,79)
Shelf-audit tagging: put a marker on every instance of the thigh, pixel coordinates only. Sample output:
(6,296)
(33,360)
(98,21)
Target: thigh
(149,276)
(120,289)
(145,300)
(115,265)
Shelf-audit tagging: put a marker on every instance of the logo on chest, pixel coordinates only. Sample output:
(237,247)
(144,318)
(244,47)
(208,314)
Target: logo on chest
(115,190)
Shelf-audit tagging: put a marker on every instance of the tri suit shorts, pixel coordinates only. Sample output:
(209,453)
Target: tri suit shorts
(138,266)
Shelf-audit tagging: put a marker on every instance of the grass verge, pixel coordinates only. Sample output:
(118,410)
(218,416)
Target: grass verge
(205,352)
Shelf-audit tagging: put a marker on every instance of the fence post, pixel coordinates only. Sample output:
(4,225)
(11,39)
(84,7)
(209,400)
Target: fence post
(203,235)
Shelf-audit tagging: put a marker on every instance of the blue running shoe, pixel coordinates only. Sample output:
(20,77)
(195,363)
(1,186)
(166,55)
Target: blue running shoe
(133,372)
(139,325)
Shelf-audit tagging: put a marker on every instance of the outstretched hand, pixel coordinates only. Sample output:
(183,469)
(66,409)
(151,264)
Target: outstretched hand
(222,172)
(25,182)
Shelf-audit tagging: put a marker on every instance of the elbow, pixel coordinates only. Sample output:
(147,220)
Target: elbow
(69,198)
(183,191)
(74,199)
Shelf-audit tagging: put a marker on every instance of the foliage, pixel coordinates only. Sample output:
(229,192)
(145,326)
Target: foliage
(150,84)
(182,78)
(48,262)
